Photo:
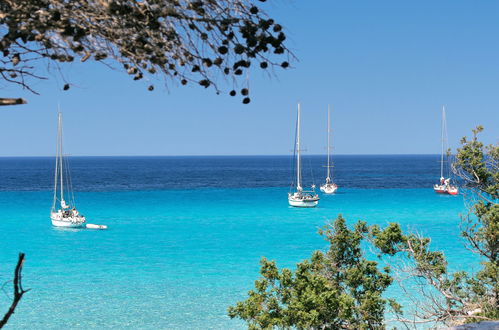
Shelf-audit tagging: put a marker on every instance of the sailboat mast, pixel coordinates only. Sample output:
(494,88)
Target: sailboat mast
(298,160)
(56,167)
(328,141)
(59,126)
(442,153)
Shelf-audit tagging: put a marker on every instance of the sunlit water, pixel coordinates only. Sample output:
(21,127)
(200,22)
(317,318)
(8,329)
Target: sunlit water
(186,234)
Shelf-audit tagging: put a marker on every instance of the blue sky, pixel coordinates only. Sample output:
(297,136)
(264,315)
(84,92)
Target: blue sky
(386,67)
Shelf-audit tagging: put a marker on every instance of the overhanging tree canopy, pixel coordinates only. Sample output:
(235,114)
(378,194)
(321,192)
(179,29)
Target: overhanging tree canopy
(181,40)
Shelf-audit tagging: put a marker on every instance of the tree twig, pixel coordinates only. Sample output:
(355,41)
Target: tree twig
(18,290)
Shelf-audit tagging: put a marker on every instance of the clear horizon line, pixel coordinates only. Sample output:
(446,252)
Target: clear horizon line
(225,155)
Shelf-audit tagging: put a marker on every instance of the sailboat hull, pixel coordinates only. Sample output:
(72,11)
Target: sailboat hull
(329,188)
(301,200)
(299,203)
(448,190)
(68,222)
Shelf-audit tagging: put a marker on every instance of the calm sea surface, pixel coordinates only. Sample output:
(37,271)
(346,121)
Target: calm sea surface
(186,233)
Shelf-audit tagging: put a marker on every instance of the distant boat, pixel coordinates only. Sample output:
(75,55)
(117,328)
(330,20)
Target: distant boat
(329,187)
(301,198)
(445,186)
(64,212)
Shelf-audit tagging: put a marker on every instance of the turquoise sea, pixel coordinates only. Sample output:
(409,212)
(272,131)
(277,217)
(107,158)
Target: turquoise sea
(186,234)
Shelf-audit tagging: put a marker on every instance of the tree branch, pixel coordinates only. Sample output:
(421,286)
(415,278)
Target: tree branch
(18,290)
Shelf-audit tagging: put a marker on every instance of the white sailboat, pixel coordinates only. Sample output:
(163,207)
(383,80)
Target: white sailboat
(301,198)
(444,186)
(63,212)
(329,187)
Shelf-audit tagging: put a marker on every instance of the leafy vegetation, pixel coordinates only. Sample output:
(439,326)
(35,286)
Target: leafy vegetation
(334,289)
(340,288)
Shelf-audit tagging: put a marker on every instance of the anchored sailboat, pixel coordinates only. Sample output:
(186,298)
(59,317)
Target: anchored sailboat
(301,198)
(64,212)
(329,187)
(445,186)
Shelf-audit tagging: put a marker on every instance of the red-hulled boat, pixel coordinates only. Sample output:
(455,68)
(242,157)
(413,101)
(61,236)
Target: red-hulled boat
(445,187)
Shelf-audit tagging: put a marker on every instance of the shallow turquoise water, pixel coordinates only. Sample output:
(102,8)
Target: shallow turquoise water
(175,259)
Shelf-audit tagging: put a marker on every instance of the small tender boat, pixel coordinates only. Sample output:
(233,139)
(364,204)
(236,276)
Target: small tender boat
(445,186)
(329,187)
(94,226)
(301,198)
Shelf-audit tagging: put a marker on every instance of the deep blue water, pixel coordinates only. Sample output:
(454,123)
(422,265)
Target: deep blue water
(159,173)
(186,233)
